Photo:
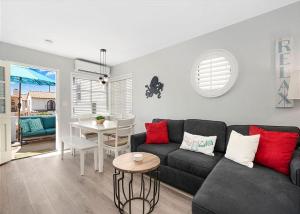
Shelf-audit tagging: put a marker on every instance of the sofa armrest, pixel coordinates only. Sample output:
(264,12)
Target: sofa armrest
(136,140)
(295,168)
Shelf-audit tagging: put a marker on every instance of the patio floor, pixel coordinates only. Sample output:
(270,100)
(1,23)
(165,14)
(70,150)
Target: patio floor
(33,148)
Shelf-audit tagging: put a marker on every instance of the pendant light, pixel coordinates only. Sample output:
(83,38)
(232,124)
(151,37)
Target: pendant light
(103,78)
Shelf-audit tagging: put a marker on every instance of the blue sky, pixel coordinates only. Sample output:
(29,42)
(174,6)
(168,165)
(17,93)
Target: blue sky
(27,87)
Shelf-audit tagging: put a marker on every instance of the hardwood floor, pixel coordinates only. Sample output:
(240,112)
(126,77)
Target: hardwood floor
(47,185)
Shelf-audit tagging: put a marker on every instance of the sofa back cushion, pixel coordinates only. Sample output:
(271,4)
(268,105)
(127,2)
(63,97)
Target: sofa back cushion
(48,122)
(208,128)
(24,125)
(244,129)
(175,129)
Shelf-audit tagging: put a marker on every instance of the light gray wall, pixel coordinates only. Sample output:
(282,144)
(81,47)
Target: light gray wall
(64,66)
(250,101)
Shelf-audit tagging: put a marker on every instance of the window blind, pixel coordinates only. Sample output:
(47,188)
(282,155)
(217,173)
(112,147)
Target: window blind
(121,97)
(88,96)
(213,73)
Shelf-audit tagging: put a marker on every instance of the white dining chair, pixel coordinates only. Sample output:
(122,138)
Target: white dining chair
(116,117)
(82,145)
(84,133)
(120,140)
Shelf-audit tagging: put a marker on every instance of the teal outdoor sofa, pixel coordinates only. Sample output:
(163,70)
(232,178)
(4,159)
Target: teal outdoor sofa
(49,127)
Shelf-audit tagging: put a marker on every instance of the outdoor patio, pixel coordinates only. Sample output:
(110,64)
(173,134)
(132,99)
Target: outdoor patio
(33,121)
(33,148)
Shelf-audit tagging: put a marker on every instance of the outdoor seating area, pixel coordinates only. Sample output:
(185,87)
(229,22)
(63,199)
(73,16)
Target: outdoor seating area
(37,126)
(38,136)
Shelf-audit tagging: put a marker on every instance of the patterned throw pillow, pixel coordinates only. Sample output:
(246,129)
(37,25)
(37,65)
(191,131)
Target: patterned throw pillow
(35,124)
(198,143)
(24,126)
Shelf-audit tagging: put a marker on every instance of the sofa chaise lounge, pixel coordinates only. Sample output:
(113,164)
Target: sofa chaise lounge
(219,185)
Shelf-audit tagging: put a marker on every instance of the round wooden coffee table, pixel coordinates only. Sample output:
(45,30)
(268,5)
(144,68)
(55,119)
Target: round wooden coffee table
(125,164)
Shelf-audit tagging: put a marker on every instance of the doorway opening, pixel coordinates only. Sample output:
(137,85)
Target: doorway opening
(33,110)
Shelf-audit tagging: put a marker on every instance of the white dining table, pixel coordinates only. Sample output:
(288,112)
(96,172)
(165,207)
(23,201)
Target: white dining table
(108,126)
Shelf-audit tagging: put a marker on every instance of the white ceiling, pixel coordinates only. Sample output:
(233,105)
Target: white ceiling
(127,28)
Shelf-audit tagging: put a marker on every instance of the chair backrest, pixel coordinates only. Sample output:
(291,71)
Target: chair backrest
(125,127)
(84,117)
(115,116)
(120,116)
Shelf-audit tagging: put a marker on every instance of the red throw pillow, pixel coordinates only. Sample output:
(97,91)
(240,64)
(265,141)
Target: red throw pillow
(157,133)
(275,149)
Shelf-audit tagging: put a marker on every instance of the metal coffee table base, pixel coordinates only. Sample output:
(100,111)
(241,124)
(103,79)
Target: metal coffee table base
(148,197)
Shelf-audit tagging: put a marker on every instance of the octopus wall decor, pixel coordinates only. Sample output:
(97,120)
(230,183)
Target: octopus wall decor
(155,87)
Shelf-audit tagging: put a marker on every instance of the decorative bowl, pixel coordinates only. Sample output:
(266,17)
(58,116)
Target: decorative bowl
(99,122)
(138,157)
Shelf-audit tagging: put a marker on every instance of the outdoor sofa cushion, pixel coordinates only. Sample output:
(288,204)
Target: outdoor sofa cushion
(193,162)
(48,122)
(35,124)
(161,150)
(50,131)
(24,126)
(35,133)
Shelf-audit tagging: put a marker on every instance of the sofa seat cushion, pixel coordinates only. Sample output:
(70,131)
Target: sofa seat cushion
(50,131)
(238,189)
(161,150)
(35,133)
(193,162)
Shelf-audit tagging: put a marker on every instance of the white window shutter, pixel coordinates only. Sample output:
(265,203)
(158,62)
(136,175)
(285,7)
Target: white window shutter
(89,96)
(121,97)
(213,73)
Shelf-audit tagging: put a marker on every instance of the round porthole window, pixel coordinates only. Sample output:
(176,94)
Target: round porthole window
(214,73)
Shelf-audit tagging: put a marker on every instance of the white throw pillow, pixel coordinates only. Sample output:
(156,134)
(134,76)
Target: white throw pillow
(198,143)
(242,149)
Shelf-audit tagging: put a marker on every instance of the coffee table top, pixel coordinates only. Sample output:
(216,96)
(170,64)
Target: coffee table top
(126,163)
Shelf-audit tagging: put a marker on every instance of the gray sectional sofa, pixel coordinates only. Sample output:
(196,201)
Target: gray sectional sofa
(219,185)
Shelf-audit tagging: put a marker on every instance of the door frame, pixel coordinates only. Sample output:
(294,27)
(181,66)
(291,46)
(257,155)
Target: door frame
(7,155)
(57,96)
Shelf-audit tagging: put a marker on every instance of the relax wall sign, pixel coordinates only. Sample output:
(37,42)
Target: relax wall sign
(284,63)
